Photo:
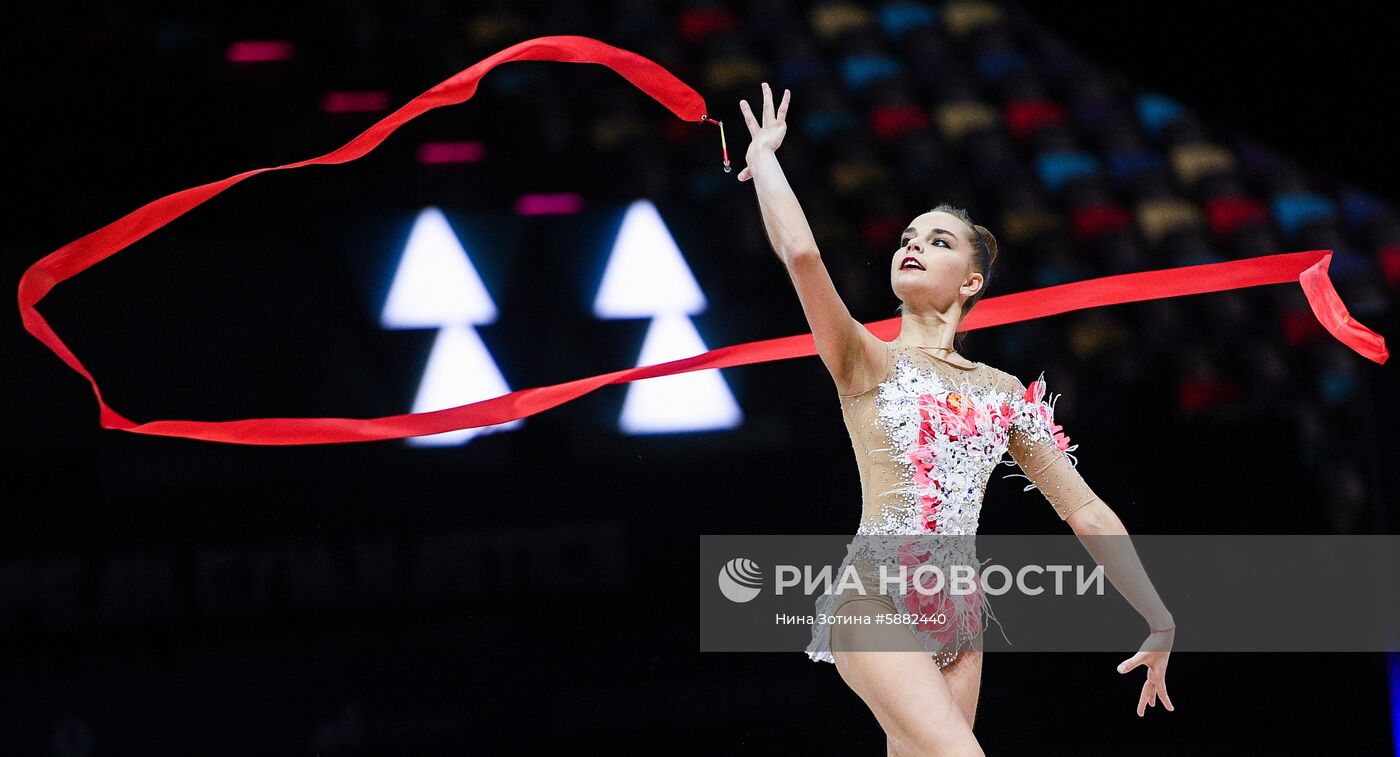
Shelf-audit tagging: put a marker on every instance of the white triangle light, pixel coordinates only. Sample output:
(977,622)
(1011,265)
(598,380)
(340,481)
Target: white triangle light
(460,370)
(695,401)
(646,273)
(435,283)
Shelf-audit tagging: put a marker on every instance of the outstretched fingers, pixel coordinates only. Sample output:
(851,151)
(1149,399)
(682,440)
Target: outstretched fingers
(771,118)
(1162,691)
(1131,664)
(748,118)
(1156,684)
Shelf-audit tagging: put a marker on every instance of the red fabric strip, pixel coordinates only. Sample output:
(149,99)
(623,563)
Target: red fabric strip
(1308,268)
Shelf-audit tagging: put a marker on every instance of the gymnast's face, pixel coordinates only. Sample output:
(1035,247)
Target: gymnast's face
(932,267)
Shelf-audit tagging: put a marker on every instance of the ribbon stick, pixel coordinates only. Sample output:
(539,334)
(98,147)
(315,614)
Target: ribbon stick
(723,145)
(1307,268)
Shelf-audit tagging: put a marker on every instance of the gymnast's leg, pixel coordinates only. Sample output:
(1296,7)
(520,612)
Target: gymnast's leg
(903,686)
(964,677)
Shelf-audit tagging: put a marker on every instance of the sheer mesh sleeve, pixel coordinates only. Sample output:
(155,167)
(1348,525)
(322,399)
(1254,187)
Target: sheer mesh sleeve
(1042,450)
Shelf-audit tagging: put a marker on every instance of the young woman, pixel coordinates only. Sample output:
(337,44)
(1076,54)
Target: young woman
(928,425)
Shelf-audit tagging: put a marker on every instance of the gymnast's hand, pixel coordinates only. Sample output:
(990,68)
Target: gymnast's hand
(768,136)
(1154,653)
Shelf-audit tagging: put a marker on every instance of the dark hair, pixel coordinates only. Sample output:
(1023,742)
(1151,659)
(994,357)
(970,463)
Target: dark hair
(985,247)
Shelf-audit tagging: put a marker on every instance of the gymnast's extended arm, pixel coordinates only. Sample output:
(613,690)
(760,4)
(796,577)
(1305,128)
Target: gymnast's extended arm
(1103,535)
(850,352)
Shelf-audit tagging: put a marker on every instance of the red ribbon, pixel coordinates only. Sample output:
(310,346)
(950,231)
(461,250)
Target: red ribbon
(1308,268)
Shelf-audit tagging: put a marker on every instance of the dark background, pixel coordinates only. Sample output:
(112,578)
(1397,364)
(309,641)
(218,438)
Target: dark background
(519,593)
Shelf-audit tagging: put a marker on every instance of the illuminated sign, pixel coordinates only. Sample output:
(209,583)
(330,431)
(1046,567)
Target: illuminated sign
(647,277)
(436,286)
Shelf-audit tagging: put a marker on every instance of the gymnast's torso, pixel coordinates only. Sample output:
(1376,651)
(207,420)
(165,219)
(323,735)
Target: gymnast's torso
(928,436)
(926,439)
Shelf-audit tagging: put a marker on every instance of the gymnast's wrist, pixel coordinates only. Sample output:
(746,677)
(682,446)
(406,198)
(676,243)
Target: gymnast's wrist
(1161,623)
(760,152)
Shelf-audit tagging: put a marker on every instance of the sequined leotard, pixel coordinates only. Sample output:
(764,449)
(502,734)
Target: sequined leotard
(926,439)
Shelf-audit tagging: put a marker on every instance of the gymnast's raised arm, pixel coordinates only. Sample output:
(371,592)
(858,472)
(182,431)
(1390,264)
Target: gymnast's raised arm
(850,352)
